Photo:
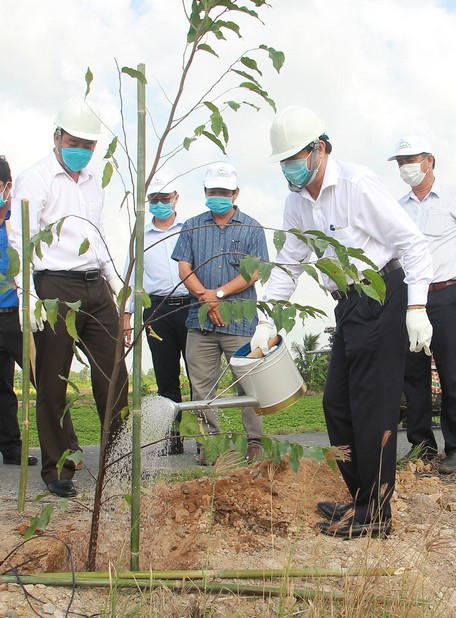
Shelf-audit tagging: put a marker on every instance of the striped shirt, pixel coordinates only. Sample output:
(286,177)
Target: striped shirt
(215,255)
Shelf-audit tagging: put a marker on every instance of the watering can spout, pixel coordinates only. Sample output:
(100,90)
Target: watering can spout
(244,401)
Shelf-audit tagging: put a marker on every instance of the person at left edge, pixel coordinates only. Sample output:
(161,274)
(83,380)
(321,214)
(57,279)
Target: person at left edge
(10,337)
(61,186)
(169,298)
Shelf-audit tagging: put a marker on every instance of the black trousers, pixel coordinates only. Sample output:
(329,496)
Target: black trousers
(10,352)
(168,322)
(441,309)
(418,394)
(363,393)
(97,324)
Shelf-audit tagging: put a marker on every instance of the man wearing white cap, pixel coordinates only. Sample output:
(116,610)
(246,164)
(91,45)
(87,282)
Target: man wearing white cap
(209,251)
(73,267)
(432,206)
(364,383)
(169,298)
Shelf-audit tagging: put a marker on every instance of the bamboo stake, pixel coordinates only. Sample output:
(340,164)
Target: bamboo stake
(26,341)
(137,326)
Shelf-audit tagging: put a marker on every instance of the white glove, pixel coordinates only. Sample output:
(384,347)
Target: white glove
(419,330)
(263,332)
(35,323)
(116,285)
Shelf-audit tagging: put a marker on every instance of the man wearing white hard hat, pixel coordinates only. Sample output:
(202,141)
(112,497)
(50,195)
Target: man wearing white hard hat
(364,384)
(169,297)
(432,206)
(209,250)
(75,266)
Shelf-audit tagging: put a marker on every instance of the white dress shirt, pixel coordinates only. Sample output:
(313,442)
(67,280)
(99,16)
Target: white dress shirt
(355,208)
(161,273)
(435,216)
(53,194)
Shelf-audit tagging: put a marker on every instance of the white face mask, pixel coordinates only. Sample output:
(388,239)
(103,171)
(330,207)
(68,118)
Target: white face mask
(412,174)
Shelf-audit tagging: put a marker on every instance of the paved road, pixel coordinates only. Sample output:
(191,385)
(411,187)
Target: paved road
(9,475)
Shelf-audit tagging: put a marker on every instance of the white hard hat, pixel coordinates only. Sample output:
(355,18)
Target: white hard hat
(161,184)
(293,129)
(79,119)
(221,176)
(410,145)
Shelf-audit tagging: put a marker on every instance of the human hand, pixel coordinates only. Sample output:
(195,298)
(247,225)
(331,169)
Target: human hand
(127,329)
(419,330)
(263,333)
(36,321)
(215,317)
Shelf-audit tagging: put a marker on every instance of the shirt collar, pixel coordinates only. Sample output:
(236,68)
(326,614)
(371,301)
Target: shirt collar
(236,216)
(178,222)
(436,190)
(330,178)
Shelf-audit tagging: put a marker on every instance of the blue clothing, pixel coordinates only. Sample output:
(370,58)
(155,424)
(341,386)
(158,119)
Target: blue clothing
(8,298)
(215,256)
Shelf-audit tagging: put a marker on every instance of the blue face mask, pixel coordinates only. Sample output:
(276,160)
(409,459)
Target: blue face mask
(297,173)
(76,159)
(219,204)
(161,210)
(4,199)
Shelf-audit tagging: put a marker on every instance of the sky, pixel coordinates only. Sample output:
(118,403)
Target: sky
(373,71)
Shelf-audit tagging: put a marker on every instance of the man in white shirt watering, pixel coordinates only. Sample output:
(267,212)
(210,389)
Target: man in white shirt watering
(75,266)
(364,383)
(432,206)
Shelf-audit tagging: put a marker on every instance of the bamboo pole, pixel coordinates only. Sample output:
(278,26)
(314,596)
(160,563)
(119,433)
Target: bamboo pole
(26,345)
(137,325)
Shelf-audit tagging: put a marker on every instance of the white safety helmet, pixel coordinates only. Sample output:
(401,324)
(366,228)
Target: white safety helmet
(293,129)
(79,119)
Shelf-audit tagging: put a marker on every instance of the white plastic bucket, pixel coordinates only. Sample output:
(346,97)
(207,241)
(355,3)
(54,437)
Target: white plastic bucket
(273,380)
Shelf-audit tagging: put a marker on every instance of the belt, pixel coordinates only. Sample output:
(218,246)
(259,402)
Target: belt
(84,275)
(8,309)
(390,267)
(173,301)
(433,287)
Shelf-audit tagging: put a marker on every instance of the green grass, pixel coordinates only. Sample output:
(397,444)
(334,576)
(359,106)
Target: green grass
(304,416)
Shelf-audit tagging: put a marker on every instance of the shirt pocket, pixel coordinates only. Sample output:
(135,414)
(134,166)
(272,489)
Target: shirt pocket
(438,219)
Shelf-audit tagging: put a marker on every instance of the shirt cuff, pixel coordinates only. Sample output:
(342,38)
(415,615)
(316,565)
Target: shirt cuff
(417,294)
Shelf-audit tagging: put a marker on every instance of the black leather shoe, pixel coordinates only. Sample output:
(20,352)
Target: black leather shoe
(448,465)
(420,451)
(16,460)
(63,488)
(354,530)
(333,510)
(176,445)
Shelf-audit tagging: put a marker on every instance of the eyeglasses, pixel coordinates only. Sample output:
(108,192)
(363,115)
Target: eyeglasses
(165,198)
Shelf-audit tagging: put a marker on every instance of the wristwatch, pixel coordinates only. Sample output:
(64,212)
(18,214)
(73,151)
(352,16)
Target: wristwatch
(220,293)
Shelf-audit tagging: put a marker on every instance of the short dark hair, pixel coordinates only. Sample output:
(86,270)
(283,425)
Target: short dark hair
(5,171)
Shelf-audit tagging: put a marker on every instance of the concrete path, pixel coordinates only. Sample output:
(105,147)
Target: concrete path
(84,479)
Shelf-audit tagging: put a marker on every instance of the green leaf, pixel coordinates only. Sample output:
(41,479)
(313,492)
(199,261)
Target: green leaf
(107,174)
(58,227)
(257,90)
(250,63)
(135,74)
(14,263)
(202,314)
(225,311)
(70,321)
(217,26)
(277,57)
(310,270)
(246,76)
(51,306)
(40,522)
(214,140)
(205,47)
(332,269)
(296,454)
(237,310)
(240,444)
(234,106)
(111,148)
(187,141)
(88,81)
(76,305)
(265,271)
(146,302)
(248,267)
(61,462)
(84,246)
(250,309)
(317,454)
(377,286)
(189,425)
(76,388)
(279,239)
